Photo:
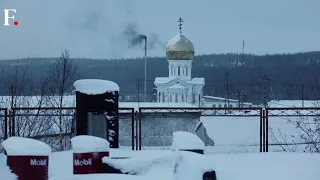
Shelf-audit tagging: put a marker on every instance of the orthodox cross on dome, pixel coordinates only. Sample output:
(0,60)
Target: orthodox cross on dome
(180,21)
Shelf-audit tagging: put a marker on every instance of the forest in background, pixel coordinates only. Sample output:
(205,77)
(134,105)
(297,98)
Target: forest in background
(252,78)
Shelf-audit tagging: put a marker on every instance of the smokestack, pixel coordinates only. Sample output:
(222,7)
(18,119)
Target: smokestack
(145,68)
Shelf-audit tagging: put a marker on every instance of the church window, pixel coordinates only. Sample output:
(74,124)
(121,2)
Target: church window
(176,97)
(187,71)
(178,70)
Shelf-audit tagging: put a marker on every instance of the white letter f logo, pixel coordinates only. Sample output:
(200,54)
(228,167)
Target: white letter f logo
(6,16)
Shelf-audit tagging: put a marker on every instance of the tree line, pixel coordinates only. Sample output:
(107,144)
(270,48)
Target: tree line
(258,77)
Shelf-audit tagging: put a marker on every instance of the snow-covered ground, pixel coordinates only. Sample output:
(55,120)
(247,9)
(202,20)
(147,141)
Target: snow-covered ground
(247,166)
(242,134)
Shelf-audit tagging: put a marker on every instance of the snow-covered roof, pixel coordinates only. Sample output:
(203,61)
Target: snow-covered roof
(177,86)
(224,99)
(26,147)
(136,105)
(165,80)
(219,98)
(180,42)
(95,86)
(86,144)
(174,40)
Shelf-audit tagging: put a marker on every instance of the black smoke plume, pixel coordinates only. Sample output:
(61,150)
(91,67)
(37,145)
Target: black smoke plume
(135,39)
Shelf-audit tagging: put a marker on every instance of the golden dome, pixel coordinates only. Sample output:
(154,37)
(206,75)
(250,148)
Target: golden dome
(180,48)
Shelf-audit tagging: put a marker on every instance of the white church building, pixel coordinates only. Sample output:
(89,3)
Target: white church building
(179,86)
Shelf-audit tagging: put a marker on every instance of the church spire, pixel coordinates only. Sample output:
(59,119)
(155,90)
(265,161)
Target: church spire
(180,21)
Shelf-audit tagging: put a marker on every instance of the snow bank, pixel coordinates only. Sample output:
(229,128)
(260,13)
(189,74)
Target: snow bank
(102,177)
(141,165)
(87,144)
(95,86)
(5,171)
(26,146)
(186,141)
(177,165)
(180,165)
(192,166)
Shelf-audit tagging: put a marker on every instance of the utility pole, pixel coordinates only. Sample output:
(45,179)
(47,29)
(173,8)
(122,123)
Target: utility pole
(243,44)
(265,91)
(302,94)
(239,96)
(227,78)
(138,92)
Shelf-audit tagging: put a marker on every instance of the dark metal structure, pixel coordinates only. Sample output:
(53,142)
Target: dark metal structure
(4,121)
(98,115)
(286,112)
(11,118)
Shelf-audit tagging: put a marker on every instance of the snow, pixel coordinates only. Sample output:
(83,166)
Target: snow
(174,40)
(5,171)
(100,177)
(177,86)
(136,105)
(176,165)
(87,144)
(95,86)
(26,147)
(165,80)
(186,141)
(292,103)
(187,165)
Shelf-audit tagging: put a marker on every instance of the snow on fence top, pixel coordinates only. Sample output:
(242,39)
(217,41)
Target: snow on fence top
(95,86)
(186,141)
(20,146)
(88,144)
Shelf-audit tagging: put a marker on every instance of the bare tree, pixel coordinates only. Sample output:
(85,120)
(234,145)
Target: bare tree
(61,75)
(18,84)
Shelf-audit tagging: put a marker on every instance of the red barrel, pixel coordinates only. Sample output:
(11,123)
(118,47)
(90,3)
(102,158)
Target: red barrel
(29,167)
(88,163)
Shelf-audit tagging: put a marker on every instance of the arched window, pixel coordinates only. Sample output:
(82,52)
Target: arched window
(186,71)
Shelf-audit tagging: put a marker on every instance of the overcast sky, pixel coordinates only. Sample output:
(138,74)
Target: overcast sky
(94,28)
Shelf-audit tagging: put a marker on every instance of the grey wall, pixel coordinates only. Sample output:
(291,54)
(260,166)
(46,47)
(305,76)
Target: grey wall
(157,129)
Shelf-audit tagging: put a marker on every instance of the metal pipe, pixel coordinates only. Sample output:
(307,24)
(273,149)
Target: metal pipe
(261,135)
(132,129)
(267,130)
(145,69)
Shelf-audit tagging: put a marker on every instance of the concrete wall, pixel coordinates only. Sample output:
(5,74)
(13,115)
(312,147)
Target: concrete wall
(157,129)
